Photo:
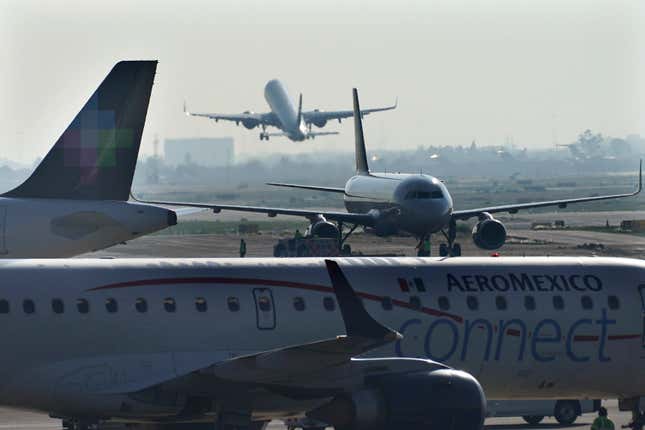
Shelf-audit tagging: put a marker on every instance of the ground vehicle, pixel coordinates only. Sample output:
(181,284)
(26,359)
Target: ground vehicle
(308,246)
(534,411)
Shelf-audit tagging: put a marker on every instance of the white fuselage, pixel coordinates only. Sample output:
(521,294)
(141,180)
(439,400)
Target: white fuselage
(52,228)
(149,321)
(422,202)
(281,105)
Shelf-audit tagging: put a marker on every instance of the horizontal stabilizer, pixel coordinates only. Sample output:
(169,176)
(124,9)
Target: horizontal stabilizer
(308,187)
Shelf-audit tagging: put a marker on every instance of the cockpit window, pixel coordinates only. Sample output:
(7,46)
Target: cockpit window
(436,194)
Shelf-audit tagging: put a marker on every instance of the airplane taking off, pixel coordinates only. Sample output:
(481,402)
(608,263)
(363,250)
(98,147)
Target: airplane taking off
(388,202)
(295,124)
(76,199)
(238,342)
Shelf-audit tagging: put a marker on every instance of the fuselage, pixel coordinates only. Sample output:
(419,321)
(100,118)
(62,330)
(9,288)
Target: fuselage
(54,228)
(76,331)
(419,204)
(282,106)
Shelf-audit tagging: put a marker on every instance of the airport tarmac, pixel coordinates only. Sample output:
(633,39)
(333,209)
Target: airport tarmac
(14,419)
(522,241)
(519,243)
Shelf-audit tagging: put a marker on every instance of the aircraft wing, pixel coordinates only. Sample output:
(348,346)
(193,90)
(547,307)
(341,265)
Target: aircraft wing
(514,208)
(318,115)
(255,118)
(366,219)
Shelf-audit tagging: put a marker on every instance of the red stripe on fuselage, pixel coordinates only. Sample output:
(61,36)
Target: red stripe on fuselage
(269,283)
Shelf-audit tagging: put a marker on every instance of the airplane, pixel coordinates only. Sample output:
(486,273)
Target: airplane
(75,201)
(357,343)
(296,125)
(419,204)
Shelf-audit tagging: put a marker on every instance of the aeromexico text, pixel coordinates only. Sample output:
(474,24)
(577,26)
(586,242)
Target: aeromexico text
(523,282)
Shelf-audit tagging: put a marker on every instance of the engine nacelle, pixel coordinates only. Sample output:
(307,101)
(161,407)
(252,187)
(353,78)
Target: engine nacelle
(323,228)
(250,123)
(489,233)
(437,400)
(320,123)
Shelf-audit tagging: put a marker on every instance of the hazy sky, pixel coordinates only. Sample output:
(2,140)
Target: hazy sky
(462,70)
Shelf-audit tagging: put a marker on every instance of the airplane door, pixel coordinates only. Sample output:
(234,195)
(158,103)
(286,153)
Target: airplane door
(641,290)
(264,308)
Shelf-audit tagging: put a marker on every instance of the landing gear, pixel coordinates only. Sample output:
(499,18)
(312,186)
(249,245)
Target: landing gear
(264,136)
(451,249)
(343,237)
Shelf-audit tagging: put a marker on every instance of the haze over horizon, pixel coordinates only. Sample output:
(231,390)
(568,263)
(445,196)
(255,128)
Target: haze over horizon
(536,71)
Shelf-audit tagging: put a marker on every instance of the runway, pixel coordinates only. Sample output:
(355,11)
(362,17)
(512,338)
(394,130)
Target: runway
(11,419)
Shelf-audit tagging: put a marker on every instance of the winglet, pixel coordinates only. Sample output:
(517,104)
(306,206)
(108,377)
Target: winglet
(357,321)
(185,109)
(640,178)
(359,139)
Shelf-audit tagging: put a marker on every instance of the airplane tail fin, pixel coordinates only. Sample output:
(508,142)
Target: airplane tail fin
(95,157)
(359,139)
(299,120)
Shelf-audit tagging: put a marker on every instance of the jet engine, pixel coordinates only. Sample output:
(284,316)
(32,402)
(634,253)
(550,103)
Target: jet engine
(250,123)
(320,123)
(438,400)
(323,228)
(489,233)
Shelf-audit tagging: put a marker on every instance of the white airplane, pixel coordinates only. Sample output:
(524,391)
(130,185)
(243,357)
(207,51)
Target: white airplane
(76,199)
(238,342)
(295,124)
(388,202)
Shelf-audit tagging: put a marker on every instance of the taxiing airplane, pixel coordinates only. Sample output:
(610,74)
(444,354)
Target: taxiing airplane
(76,199)
(356,343)
(419,204)
(295,124)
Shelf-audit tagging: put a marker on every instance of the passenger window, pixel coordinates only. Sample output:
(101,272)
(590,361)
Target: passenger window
(587,302)
(613,302)
(529,303)
(233,304)
(444,303)
(141,305)
(201,305)
(415,301)
(500,303)
(329,304)
(83,306)
(386,303)
(299,304)
(4,306)
(111,305)
(264,303)
(472,302)
(28,306)
(58,306)
(169,304)
(558,303)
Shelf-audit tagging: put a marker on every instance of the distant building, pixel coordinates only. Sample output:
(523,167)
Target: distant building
(207,152)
